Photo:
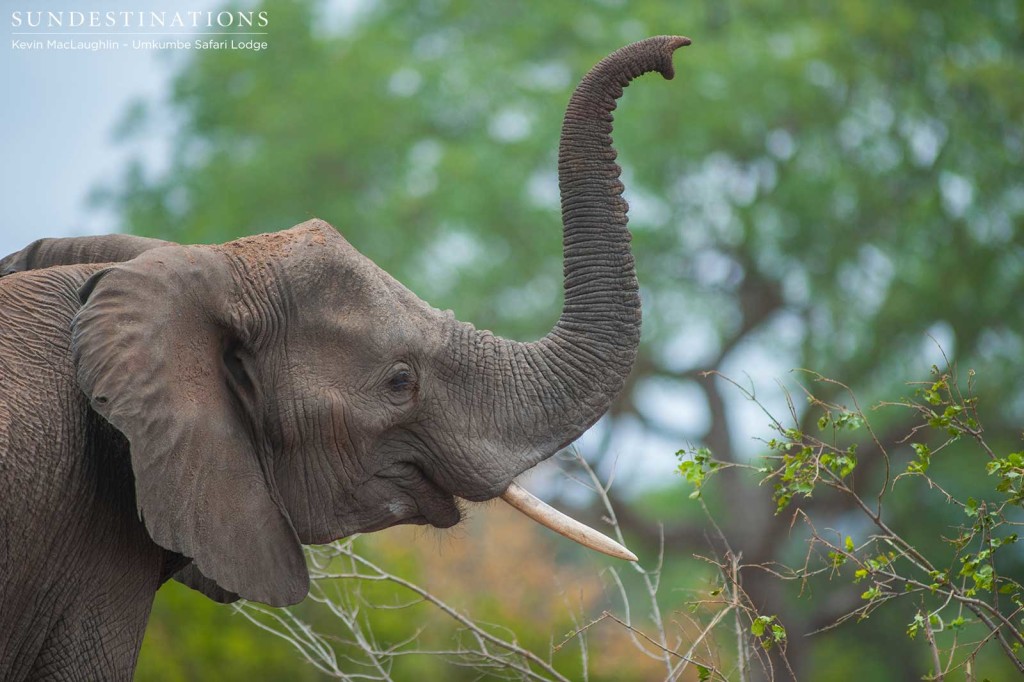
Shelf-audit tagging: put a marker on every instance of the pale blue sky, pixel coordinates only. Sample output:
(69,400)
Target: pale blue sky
(59,110)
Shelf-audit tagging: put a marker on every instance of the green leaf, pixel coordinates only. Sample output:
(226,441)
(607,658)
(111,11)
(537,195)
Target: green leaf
(971,507)
(915,625)
(757,627)
(870,594)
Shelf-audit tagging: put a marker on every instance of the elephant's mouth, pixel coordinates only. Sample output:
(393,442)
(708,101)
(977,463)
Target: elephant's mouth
(401,494)
(415,498)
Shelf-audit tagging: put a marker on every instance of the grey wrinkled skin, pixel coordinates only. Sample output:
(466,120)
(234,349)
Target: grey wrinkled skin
(200,412)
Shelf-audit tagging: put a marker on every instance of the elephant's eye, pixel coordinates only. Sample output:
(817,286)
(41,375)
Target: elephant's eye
(402,380)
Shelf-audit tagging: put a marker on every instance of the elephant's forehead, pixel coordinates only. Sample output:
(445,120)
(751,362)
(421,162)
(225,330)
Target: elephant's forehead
(365,308)
(343,286)
(321,263)
(336,295)
(385,321)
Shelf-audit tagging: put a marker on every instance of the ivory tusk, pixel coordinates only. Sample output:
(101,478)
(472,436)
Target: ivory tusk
(548,516)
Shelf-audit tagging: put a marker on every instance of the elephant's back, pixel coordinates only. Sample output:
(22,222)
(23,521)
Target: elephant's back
(43,414)
(36,311)
(73,551)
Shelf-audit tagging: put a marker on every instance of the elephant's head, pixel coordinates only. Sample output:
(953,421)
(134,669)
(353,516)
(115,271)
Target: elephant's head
(282,389)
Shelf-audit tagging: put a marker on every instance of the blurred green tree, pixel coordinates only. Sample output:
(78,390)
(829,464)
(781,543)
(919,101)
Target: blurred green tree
(823,186)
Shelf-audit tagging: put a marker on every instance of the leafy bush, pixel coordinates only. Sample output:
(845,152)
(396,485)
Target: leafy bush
(962,595)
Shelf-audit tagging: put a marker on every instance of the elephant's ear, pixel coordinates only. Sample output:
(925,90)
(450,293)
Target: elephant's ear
(151,346)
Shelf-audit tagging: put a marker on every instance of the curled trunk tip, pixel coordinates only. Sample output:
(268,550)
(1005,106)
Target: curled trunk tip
(672,43)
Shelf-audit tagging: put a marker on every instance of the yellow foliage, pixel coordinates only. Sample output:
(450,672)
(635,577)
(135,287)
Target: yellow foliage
(512,577)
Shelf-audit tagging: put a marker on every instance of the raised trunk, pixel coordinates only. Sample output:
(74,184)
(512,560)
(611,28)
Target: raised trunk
(593,345)
(540,396)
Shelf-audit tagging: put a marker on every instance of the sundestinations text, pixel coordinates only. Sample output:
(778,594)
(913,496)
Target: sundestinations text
(139,19)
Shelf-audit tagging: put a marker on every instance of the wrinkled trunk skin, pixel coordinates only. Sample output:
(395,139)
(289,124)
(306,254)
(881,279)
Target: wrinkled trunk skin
(538,397)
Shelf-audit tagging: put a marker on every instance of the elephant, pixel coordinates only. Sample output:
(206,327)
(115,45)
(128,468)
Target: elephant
(201,412)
